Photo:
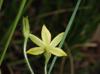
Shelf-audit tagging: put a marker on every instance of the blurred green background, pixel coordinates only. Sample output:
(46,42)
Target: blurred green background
(83,38)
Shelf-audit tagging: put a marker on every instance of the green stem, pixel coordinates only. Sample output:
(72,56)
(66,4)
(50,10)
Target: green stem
(66,33)
(26,58)
(45,68)
(13,29)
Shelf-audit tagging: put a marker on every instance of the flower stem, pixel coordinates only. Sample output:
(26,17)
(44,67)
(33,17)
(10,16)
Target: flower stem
(45,68)
(26,58)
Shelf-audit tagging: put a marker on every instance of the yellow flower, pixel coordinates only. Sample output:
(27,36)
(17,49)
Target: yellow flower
(46,46)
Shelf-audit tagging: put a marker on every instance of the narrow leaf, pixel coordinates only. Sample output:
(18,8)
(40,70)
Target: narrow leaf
(57,40)
(45,34)
(36,40)
(57,51)
(1,3)
(35,51)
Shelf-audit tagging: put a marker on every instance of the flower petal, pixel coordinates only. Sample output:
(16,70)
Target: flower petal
(35,51)
(45,34)
(36,40)
(57,51)
(57,39)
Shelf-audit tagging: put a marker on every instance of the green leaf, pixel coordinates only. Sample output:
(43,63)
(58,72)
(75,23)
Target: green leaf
(57,39)
(1,3)
(36,40)
(45,34)
(35,51)
(57,51)
(26,28)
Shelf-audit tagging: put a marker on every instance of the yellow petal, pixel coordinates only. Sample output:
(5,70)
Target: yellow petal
(36,40)
(57,51)
(57,39)
(45,34)
(35,51)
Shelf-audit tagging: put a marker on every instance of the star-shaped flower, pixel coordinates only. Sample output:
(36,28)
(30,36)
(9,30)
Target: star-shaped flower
(46,46)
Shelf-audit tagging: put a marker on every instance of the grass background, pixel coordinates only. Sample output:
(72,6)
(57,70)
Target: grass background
(55,14)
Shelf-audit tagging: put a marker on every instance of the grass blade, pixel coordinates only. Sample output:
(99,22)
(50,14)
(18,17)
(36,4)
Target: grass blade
(66,33)
(13,29)
(1,3)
